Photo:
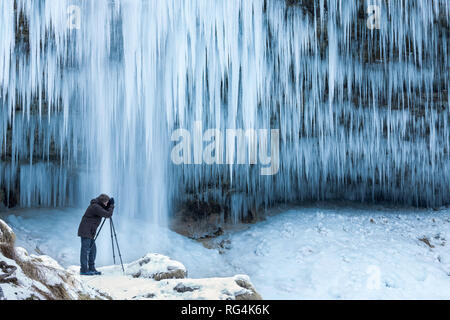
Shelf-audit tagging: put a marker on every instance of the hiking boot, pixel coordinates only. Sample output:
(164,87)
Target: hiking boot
(95,272)
(87,273)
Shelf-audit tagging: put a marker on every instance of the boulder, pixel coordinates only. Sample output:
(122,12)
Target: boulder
(7,236)
(7,240)
(157,267)
(243,281)
(182,288)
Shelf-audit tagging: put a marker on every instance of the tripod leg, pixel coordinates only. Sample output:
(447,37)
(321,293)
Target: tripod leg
(117,244)
(112,240)
(98,233)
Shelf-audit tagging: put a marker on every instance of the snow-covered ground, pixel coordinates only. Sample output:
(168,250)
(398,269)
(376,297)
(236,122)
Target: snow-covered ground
(327,251)
(347,254)
(154,276)
(143,286)
(54,232)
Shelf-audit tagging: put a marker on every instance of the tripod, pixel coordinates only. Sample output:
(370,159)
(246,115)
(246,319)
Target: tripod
(113,237)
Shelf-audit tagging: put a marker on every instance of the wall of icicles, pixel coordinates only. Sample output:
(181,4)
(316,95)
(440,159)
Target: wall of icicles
(91,91)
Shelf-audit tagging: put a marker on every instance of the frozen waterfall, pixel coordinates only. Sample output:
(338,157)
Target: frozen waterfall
(91,92)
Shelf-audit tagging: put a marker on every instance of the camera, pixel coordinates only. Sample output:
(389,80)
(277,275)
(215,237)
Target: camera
(111,202)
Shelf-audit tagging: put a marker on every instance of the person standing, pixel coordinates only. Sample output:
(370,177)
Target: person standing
(100,207)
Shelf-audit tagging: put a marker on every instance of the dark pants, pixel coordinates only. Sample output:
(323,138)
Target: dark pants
(88,253)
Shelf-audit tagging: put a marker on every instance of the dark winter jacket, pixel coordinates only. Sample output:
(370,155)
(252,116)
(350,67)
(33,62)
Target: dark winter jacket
(92,218)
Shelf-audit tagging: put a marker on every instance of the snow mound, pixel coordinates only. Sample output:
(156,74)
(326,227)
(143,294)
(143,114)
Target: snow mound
(156,266)
(32,277)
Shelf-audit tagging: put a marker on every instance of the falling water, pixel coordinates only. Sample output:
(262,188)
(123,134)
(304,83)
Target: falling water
(91,91)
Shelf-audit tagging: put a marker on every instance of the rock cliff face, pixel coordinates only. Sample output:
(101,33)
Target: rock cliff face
(31,277)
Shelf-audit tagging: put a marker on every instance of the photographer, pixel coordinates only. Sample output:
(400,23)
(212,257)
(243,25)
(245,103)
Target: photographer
(101,207)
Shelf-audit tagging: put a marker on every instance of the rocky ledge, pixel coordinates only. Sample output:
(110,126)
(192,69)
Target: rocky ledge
(25,276)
